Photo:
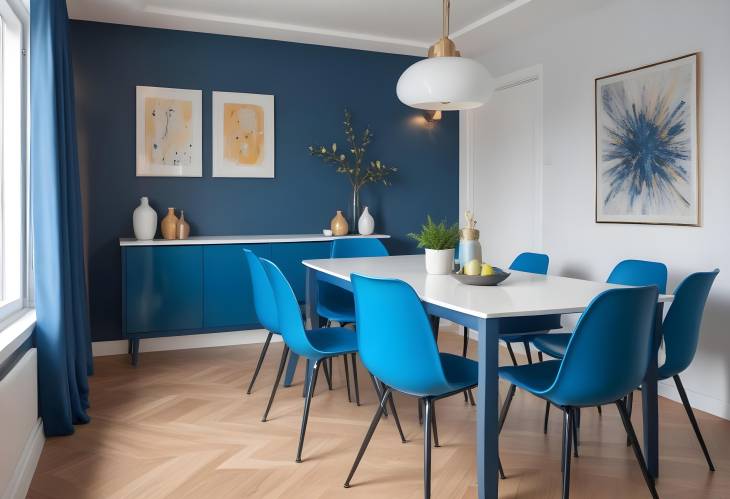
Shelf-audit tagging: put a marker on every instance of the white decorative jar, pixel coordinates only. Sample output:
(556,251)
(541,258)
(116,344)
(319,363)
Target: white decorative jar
(439,262)
(144,221)
(366,224)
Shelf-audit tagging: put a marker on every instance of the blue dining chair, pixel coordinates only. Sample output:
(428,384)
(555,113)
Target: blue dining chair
(534,263)
(315,345)
(626,272)
(617,324)
(397,346)
(265,307)
(337,304)
(681,333)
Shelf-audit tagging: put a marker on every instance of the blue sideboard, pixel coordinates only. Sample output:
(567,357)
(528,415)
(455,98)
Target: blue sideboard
(202,284)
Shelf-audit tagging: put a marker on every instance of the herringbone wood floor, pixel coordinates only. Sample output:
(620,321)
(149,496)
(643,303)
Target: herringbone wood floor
(179,426)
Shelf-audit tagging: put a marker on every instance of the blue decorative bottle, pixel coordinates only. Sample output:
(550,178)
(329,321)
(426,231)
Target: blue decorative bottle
(469,246)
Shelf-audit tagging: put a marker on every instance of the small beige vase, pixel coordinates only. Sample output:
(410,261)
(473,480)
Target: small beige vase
(168,226)
(183,228)
(339,225)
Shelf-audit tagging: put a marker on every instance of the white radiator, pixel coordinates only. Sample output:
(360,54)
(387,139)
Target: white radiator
(21,432)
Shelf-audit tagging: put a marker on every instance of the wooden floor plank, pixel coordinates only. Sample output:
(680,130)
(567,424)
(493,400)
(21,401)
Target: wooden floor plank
(180,426)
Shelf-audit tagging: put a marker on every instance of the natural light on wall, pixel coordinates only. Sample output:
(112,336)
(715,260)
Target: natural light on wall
(12,197)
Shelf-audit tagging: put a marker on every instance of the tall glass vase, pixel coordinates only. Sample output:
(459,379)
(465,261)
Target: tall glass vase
(355,213)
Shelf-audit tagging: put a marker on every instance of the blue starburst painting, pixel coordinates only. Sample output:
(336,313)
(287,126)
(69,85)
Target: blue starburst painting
(646,145)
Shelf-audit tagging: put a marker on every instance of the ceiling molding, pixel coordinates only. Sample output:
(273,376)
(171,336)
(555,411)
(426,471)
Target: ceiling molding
(259,24)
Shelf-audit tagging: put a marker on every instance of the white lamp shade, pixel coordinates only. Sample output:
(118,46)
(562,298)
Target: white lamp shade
(445,83)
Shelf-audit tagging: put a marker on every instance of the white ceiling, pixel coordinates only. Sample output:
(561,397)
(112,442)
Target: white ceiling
(397,26)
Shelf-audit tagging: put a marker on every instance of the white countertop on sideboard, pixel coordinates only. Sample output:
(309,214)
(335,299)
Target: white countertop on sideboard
(254,239)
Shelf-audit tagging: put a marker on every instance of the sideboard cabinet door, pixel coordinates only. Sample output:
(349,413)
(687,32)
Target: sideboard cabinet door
(228,297)
(164,288)
(289,256)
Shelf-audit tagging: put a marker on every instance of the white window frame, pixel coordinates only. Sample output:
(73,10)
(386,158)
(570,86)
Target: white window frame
(16,18)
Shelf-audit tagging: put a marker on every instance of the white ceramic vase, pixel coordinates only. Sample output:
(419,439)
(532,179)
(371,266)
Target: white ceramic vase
(439,262)
(144,221)
(366,224)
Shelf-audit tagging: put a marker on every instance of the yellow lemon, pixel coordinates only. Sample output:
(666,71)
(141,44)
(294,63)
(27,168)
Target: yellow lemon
(487,269)
(473,267)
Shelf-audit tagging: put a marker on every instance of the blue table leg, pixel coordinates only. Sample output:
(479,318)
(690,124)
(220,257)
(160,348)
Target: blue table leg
(311,311)
(650,399)
(487,410)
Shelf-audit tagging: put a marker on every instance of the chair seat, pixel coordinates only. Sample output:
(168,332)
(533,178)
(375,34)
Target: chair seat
(340,312)
(534,378)
(521,338)
(333,340)
(460,372)
(554,345)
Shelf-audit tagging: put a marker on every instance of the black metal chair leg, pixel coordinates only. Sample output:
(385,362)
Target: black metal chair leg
(547,417)
(368,436)
(471,398)
(465,347)
(391,402)
(307,404)
(567,444)
(282,365)
(512,354)
(505,406)
(428,416)
(539,356)
(528,352)
(260,361)
(629,404)
(327,373)
(347,376)
(692,420)
(637,450)
(576,422)
(354,379)
(433,423)
(379,392)
(600,411)
(420,411)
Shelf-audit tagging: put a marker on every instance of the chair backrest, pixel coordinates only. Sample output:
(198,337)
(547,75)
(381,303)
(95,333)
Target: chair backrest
(535,263)
(681,329)
(355,247)
(609,352)
(640,273)
(291,326)
(263,295)
(395,339)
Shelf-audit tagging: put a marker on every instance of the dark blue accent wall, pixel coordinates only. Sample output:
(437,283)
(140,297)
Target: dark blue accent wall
(312,85)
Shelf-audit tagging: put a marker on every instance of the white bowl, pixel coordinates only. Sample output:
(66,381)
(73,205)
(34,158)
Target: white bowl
(327,232)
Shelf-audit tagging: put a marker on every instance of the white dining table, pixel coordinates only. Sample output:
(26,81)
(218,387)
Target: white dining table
(531,301)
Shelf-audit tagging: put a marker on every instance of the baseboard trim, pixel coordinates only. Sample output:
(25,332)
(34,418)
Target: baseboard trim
(24,471)
(119,347)
(666,388)
(698,401)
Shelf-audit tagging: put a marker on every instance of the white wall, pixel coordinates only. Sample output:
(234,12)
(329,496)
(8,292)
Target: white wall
(621,35)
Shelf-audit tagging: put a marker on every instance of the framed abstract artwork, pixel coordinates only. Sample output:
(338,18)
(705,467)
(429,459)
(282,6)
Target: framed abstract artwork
(647,150)
(169,132)
(243,135)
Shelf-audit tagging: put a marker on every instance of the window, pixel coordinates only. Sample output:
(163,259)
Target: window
(13,158)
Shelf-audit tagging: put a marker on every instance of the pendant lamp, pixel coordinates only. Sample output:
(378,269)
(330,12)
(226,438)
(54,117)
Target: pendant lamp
(445,81)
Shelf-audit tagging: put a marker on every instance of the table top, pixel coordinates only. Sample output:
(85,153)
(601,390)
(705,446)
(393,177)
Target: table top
(522,294)
(252,239)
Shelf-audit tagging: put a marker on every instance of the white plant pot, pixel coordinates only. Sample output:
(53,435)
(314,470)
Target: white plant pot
(439,262)
(144,220)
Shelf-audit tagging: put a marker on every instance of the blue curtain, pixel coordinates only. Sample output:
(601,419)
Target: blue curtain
(62,332)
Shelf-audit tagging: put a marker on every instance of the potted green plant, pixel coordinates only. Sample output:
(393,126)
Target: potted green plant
(351,161)
(439,240)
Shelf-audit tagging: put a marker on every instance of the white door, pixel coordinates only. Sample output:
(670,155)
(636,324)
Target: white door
(504,181)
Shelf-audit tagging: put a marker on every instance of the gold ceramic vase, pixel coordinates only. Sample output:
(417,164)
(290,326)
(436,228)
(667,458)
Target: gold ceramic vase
(168,226)
(339,225)
(183,228)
